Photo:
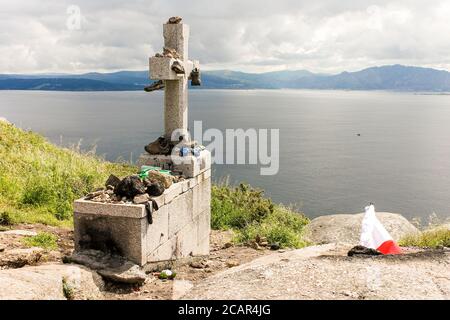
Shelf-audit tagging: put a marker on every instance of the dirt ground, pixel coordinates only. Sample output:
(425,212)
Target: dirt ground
(223,255)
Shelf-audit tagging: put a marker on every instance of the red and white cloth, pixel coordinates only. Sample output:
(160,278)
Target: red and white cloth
(375,236)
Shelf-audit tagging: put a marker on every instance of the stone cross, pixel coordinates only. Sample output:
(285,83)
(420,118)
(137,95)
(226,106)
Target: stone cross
(176,37)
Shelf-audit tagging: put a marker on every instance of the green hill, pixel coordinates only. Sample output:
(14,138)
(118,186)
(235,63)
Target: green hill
(39,181)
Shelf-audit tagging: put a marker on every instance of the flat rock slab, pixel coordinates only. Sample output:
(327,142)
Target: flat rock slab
(17,258)
(324,272)
(28,233)
(45,282)
(112,267)
(346,228)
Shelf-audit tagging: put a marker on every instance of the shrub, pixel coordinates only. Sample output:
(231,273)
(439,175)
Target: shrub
(282,226)
(5,218)
(433,238)
(238,207)
(42,239)
(247,212)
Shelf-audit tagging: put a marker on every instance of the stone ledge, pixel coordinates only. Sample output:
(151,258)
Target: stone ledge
(110,209)
(160,69)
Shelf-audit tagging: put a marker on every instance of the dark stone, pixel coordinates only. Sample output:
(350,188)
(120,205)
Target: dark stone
(274,246)
(130,186)
(112,181)
(361,250)
(155,189)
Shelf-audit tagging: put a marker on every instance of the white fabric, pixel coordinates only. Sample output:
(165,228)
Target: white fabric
(373,233)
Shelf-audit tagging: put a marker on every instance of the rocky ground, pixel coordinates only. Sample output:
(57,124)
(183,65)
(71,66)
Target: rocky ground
(325,272)
(35,273)
(235,272)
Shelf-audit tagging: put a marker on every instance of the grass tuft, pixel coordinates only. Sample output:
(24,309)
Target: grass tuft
(434,238)
(43,240)
(68,290)
(250,215)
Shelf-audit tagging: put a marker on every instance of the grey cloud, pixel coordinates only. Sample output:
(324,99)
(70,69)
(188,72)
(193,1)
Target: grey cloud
(322,36)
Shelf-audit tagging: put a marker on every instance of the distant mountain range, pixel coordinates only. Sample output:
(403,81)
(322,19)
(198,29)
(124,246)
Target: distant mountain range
(393,78)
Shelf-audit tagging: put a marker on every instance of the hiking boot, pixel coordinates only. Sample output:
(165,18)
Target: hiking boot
(157,85)
(174,20)
(195,77)
(177,67)
(159,146)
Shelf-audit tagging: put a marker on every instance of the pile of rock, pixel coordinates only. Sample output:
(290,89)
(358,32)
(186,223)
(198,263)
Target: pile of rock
(133,188)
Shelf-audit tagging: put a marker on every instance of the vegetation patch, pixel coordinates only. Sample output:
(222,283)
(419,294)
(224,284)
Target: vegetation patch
(434,238)
(68,291)
(43,240)
(250,215)
(39,181)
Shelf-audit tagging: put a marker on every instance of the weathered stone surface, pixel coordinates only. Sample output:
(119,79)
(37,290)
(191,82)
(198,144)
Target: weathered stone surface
(325,272)
(17,258)
(186,240)
(180,212)
(165,179)
(45,282)
(141,199)
(20,232)
(167,251)
(201,197)
(203,232)
(111,267)
(127,273)
(158,231)
(123,235)
(172,192)
(180,288)
(109,209)
(346,228)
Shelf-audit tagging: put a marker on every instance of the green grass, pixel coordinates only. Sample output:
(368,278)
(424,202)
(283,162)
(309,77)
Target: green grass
(39,181)
(433,238)
(43,240)
(68,290)
(250,215)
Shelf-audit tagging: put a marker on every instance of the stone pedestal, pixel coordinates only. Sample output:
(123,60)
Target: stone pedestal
(180,228)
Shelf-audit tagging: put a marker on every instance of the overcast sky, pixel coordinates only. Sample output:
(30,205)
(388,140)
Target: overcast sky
(249,35)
